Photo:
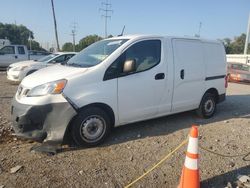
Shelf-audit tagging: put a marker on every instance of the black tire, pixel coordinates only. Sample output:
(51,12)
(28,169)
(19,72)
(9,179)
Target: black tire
(207,106)
(89,122)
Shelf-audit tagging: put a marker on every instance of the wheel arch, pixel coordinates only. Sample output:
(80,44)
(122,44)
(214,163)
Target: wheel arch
(213,91)
(67,137)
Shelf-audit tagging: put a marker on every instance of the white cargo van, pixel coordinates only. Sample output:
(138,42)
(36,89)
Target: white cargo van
(119,81)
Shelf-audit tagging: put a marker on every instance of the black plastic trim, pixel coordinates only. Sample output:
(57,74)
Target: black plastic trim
(41,122)
(215,77)
(221,98)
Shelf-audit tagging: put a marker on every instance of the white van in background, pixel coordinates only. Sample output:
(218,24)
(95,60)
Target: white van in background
(118,81)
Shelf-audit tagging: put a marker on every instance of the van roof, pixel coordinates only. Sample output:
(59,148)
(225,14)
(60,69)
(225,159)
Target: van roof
(141,36)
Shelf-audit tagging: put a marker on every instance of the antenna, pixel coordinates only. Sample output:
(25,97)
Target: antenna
(199,31)
(122,31)
(106,10)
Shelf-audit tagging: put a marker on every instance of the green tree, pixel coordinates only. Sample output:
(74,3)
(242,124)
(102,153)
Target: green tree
(235,46)
(67,47)
(17,34)
(86,41)
(35,46)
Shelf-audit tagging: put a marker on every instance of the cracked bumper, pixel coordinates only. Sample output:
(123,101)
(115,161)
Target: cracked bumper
(42,123)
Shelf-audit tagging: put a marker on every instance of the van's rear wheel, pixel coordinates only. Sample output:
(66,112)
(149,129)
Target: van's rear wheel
(207,106)
(90,127)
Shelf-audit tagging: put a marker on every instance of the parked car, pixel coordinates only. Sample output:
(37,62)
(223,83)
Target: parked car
(17,71)
(238,72)
(118,81)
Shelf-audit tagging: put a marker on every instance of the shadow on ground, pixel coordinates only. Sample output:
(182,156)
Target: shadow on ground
(233,107)
(223,179)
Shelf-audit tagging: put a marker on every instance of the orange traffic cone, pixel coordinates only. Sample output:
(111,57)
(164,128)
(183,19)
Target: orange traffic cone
(190,177)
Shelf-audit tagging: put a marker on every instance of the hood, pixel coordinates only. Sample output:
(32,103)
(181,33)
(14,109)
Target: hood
(23,63)
(50,74)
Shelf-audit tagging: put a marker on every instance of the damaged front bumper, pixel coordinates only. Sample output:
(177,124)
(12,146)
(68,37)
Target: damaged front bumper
(42,123)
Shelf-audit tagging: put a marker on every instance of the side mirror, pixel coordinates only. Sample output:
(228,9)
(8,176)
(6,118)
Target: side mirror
(63,63)
(129,66)
(53,62)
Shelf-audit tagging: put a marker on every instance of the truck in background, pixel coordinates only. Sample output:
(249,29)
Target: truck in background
(14,53)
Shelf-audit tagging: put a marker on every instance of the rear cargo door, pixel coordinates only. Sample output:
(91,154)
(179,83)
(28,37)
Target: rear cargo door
(189,78)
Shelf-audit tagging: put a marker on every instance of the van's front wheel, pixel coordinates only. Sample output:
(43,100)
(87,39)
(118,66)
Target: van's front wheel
(90,127)
(207,106)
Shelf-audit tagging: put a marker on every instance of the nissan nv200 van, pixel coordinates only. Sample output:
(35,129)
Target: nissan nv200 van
(118,81)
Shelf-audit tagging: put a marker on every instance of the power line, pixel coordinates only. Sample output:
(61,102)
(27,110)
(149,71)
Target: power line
(106,9)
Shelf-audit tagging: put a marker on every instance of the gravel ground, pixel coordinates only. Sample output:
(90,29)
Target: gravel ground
(132,149)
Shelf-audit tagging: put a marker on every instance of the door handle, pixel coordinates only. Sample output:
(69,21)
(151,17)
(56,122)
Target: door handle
(182,74)
(159,76)
(15,56)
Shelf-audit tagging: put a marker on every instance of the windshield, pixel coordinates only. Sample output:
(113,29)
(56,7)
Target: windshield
(46,58)
(95,53)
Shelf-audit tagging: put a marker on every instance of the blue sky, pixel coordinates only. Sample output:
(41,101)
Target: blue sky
(220,18)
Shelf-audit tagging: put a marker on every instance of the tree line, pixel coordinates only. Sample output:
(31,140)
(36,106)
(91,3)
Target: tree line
(236,45)
(20,34)
(83,43)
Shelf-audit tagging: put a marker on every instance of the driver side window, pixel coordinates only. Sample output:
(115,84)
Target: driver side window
(8,50)
(58,59)
(146,55)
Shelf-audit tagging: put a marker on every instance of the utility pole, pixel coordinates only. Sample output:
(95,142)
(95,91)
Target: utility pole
(106,10)
(247,36)
(54,16)
(30,40)
(73,33)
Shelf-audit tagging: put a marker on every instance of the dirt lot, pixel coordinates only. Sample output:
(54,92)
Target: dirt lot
(132,149)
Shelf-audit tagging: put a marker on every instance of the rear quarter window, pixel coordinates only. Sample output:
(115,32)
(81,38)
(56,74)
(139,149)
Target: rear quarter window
(21,50)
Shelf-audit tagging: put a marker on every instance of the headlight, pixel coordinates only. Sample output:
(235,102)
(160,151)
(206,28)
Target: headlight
(19,68)
(55,87)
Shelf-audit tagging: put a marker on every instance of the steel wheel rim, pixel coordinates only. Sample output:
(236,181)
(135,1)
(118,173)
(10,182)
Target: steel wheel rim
(209,106)
(92,128)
